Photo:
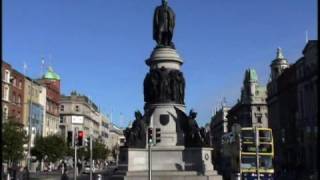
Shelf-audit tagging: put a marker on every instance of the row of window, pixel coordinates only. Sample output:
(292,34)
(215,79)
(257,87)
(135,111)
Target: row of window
(76,108)
(9,79)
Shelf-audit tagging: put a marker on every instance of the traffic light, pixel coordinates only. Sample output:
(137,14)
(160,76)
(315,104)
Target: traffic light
(80,138)
(86,142)
(69,138)
(150,135)
(158,135)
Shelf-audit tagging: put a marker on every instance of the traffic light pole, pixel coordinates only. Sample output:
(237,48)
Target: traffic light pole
(149,159)
(91,165)
(257,151)
(75,154)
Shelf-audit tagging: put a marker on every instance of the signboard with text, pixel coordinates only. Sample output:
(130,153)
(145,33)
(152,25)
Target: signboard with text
(77,119)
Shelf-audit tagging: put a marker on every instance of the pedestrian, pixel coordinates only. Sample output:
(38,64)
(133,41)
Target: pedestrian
(64,176)
(25,175)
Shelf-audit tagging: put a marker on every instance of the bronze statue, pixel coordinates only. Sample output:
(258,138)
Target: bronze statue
(163,25)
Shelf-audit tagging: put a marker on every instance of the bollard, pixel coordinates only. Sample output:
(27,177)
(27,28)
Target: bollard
(8,176)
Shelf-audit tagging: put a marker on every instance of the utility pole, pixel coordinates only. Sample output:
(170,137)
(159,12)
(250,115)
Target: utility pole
(257,151)
(150,159)
(75,134)
(91,165)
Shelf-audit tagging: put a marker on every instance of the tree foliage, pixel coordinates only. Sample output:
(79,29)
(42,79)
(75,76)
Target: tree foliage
(50,148)
(99,151)
(13,139)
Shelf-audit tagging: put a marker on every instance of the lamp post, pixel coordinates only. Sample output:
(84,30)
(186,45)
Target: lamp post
(29,128)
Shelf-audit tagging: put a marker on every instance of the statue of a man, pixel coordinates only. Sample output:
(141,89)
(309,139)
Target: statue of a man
(163,25)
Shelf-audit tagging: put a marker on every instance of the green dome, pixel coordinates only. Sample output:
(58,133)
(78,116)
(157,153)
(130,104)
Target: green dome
(50,74)
(251,76)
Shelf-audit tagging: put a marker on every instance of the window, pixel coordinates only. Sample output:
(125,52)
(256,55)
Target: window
(259,119)
(62,108)
(258,108)
(7,76)
(5,112)
(6,93)
(14,98)
(61,119)
(20,84)
(14,82)
(77,108)
(19,100)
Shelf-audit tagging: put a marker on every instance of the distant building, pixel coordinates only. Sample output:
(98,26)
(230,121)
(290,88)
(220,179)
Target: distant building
(34,108)
(218,127)
(116,137)
(251,110)
(104,130)
(307,115)
(12,93)
(78,111)
(51,81)
(292,104)
(17,95)
(6,86)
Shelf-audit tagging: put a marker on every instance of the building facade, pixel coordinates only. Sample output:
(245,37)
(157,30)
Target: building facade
(17,96)
(292,103)
(51,81)
(218,127)
(251,110)
(104,128)
(12,94)
(5,84)
(307,99)
(34,108)
(78,111)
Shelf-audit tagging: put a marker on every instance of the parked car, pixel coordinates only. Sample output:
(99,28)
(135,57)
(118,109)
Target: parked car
(86,169)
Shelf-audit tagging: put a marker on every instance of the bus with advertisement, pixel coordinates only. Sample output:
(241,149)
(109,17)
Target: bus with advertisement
(246,161)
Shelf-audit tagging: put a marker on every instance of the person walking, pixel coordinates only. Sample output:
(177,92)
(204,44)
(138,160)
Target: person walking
(64,175)
(26,174)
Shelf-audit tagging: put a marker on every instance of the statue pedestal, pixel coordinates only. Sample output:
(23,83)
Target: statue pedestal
(165,110)
(167,163)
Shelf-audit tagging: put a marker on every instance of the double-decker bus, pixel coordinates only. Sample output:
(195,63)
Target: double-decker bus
(239,148)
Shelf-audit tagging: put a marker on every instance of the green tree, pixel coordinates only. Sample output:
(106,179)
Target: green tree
(13,139)
(52,147)
(99,151)
(115,151)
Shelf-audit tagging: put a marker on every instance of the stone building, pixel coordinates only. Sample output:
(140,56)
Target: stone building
(104,129)
(6,86)
(34,107)
(251,110)
(17,95)
(307,99)
(116,139)
(78,111)
(51,81)
(282,105)
(218,127)
(12,93)
(292,104)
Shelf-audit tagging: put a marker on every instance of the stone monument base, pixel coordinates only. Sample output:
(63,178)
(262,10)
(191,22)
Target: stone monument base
(168,163)
(165,175)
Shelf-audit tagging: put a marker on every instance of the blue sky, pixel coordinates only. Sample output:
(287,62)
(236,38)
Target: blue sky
(98,47)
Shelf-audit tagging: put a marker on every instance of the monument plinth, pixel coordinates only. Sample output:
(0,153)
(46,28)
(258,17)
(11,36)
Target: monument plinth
(183,151)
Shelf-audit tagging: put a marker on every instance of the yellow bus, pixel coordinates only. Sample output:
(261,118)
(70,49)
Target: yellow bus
(239,149)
